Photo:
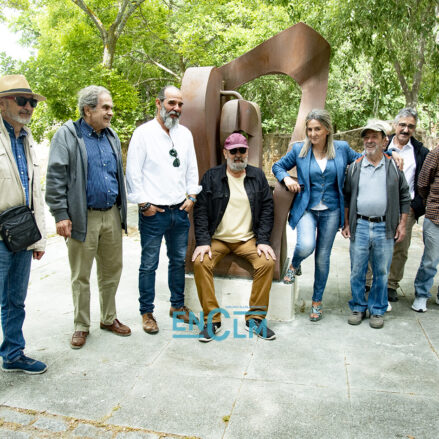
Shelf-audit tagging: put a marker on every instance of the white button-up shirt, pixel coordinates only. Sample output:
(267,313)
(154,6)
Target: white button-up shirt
(408,154)
(151,176)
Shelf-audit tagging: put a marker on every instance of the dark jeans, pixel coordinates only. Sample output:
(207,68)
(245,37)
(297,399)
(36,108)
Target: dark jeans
(173,224)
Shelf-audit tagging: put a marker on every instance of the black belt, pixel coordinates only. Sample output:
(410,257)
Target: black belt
(172,206)
(372,219)
(100,209)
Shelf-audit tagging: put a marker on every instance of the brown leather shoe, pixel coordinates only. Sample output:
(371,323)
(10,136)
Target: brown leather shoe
(78,339)
(149,323)
(117,328)
(183,313)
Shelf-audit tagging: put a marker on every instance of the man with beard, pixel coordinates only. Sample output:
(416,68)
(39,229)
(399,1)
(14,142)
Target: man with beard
(20,185)
(85,191)
(377,201)
(162,178)
(234,214)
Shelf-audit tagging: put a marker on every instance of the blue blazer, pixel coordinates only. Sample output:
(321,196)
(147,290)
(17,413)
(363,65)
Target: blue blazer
(344,155)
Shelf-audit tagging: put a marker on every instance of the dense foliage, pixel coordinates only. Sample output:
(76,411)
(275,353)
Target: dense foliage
(384,54)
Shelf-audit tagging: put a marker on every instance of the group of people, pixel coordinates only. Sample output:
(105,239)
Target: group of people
(373,203)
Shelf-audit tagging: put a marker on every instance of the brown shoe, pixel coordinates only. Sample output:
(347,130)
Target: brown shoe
(117,328)
(78,339)
(149,323)
(183,313)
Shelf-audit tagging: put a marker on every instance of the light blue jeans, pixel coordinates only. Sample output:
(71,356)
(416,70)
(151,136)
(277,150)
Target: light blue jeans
(370,244)
(430,260)
(14,279)
(316,230)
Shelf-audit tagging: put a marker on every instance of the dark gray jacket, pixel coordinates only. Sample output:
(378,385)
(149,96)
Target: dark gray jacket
(398,195)
(66,180)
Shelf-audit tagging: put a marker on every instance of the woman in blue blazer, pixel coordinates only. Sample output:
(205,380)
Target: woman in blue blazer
(318,209)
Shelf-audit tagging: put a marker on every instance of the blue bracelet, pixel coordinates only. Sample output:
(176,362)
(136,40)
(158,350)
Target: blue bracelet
(193,199)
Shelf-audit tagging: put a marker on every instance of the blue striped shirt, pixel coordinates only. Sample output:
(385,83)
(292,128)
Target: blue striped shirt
(17,145)
(102,184)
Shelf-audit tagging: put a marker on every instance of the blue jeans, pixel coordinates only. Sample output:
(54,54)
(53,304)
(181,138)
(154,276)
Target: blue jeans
(14,279)
(370,244)
(317,230)
(173,224)
(430,259)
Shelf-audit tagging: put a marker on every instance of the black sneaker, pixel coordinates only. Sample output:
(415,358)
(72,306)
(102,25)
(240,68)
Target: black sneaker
(392,295)
(209,331)
(260,328)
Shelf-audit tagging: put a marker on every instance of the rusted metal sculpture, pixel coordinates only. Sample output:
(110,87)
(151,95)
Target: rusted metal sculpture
(298,52)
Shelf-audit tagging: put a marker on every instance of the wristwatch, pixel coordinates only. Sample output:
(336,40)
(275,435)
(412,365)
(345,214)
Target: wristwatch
(193,199)
(144,207)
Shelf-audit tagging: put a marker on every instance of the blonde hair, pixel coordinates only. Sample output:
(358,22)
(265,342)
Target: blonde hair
(324,118)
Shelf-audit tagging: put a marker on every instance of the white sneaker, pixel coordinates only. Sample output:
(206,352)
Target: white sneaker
(420,304)
(389,307)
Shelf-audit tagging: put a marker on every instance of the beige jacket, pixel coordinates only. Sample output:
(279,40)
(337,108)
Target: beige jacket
(11,190)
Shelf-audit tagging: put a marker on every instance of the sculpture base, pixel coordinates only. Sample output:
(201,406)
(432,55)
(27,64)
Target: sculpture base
(233,297)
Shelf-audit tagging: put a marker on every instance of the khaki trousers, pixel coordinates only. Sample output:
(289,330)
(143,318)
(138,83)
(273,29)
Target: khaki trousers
(262,277)
(399,258)
(103,243)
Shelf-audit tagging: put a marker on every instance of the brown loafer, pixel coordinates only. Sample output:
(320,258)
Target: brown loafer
(117,328)
(149,323)
(78,339)
(181,313)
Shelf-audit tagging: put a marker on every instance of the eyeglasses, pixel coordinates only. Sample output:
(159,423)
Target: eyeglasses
(173,153)
(405,125)
(21,101)
(235,150)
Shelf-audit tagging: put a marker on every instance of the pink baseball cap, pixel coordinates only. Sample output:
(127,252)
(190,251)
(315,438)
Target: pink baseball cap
(235,140)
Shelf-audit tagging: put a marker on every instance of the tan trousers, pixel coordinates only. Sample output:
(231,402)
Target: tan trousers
(262,277)
(103,242)
(399,258)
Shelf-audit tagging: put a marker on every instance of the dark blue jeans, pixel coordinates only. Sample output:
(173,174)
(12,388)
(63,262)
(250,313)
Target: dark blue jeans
(173,224)
(14,279)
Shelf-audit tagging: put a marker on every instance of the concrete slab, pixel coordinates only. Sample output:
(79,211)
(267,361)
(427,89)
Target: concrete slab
(316,380)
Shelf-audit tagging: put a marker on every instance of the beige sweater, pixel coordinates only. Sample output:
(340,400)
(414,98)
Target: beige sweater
(11,190)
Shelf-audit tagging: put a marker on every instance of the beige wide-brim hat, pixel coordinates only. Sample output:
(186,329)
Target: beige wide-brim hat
(11,85)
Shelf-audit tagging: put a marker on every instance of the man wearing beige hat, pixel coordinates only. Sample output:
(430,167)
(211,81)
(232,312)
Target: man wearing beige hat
(377,201)
(20,186)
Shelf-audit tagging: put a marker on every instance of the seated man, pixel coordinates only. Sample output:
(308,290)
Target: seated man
(234,214)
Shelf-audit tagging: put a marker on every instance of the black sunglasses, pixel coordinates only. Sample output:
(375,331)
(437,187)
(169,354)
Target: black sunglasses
(173,153)
(21,101)
(235,150)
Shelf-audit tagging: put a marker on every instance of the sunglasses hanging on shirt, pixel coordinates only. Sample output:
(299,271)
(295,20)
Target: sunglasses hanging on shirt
(173,152)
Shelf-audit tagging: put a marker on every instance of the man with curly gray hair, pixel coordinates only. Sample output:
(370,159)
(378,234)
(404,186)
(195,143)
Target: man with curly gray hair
(85,191)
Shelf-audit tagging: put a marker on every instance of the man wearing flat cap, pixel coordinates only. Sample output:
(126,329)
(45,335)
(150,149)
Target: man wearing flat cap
(377,202)
(234,214)
(19,186)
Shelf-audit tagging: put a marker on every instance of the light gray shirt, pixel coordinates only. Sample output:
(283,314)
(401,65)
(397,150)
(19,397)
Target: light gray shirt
(372,192)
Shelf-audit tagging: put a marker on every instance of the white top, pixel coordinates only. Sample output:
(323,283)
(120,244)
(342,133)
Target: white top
(408,154)
(151,176)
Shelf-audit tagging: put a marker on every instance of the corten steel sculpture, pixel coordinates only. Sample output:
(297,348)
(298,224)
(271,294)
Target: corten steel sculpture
(298,52)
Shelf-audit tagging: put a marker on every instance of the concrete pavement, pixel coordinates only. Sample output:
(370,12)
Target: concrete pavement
(316,380)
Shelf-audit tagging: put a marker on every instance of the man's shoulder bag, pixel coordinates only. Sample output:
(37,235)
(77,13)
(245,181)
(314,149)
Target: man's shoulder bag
(18,228)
